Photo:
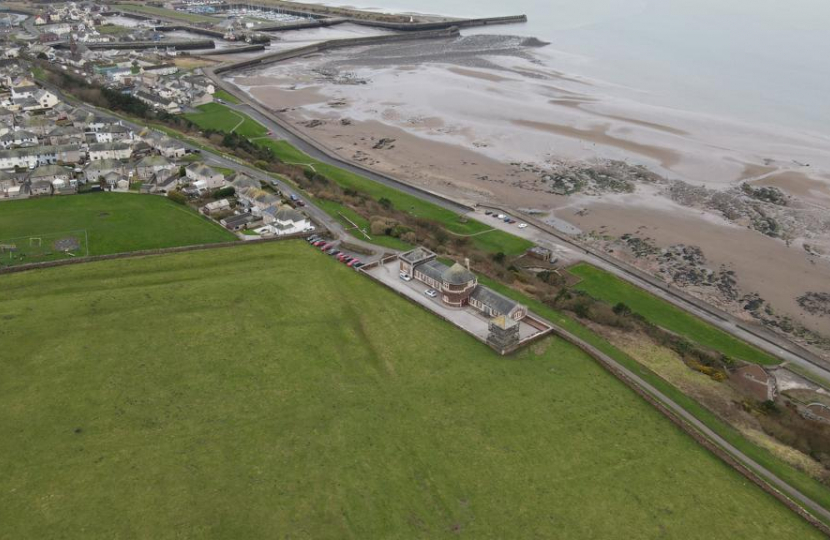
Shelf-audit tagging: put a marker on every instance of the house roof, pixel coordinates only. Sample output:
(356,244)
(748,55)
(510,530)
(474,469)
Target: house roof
(154,161)
(202,170)
(18,135)
(103,147)
(49,170)
(457,275)
(417,255)
(103,164)
(433,269)
(493,300)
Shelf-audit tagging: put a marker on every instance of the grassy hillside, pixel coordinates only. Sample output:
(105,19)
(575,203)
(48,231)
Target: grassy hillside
(609,288)
(114,222)
(269,391)
(219,117)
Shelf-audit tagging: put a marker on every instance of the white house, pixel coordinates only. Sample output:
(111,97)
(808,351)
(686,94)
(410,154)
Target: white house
(117,150)
(46,99)
(204,177)
(34,156)
(285,220)
(18,138)
(151,165)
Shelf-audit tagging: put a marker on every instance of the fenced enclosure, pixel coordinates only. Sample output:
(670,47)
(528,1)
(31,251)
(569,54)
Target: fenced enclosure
(44,247)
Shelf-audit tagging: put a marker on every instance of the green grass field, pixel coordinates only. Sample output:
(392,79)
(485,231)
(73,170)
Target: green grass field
(114,222)
(163,12)
(219,117)
(609,288)
(267,391)
(230,98)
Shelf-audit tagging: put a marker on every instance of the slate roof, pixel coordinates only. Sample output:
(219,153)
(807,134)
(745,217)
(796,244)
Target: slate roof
(433,269)
(417,255)
(457,275)
(493,300)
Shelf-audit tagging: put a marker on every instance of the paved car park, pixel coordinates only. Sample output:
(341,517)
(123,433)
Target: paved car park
(466,318)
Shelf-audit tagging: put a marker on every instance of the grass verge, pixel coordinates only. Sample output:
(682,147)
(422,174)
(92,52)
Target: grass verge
(611,289)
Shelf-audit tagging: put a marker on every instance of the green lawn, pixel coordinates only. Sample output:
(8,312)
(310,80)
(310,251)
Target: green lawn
(609,288)
(114,222)
(230,98)
(219,117)
(493,241)
(163,12)
(267,391)
(335,209)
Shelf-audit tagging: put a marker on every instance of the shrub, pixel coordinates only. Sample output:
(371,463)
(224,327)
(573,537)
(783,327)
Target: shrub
(224,192)
(177,197)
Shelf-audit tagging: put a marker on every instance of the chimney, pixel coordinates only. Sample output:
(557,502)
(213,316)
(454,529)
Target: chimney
(467,262)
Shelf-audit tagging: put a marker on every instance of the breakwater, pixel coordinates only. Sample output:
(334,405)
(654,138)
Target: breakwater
(335,44)
(179,45)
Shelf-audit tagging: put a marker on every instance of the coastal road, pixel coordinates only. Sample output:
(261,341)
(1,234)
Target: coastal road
(546,236)
(537,232)
(329,157)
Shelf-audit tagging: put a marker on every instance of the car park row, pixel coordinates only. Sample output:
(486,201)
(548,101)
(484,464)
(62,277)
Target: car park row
(330,247)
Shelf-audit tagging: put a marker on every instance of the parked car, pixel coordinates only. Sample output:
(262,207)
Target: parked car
(405,276)
(506,220)
(326,247)
(333,251)
(318,243)
(488,213)
(501,216)
(341,256)
(353,262)
(358,264)
(431,293)
(522,225)
(511,221)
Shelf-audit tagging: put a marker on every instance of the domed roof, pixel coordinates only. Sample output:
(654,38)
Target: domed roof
(457,275)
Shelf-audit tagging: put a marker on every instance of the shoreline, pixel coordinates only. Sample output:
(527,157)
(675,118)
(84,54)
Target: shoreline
(465,152)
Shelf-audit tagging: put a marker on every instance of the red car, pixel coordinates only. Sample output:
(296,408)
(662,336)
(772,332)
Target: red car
(319,243)
(353,262)
(327,247)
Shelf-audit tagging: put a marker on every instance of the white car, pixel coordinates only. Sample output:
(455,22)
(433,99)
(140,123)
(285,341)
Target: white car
(522,225)
(501,216)
(431,293)
(405,276)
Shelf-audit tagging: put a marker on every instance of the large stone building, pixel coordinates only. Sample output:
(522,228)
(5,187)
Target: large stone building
(457,285)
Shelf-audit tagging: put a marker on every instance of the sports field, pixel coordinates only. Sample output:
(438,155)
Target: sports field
(112,223)
(609,288)
(267,391)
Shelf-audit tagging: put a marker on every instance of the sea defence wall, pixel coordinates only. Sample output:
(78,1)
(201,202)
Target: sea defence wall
(236,50)
(335,44)
(192,29)
(438,25)
(400,27)
(179,45)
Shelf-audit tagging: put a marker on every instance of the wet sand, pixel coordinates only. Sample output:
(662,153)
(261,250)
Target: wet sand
(463,124)
(778,273)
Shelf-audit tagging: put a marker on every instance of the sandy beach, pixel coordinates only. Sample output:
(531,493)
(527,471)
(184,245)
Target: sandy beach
(489,118)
